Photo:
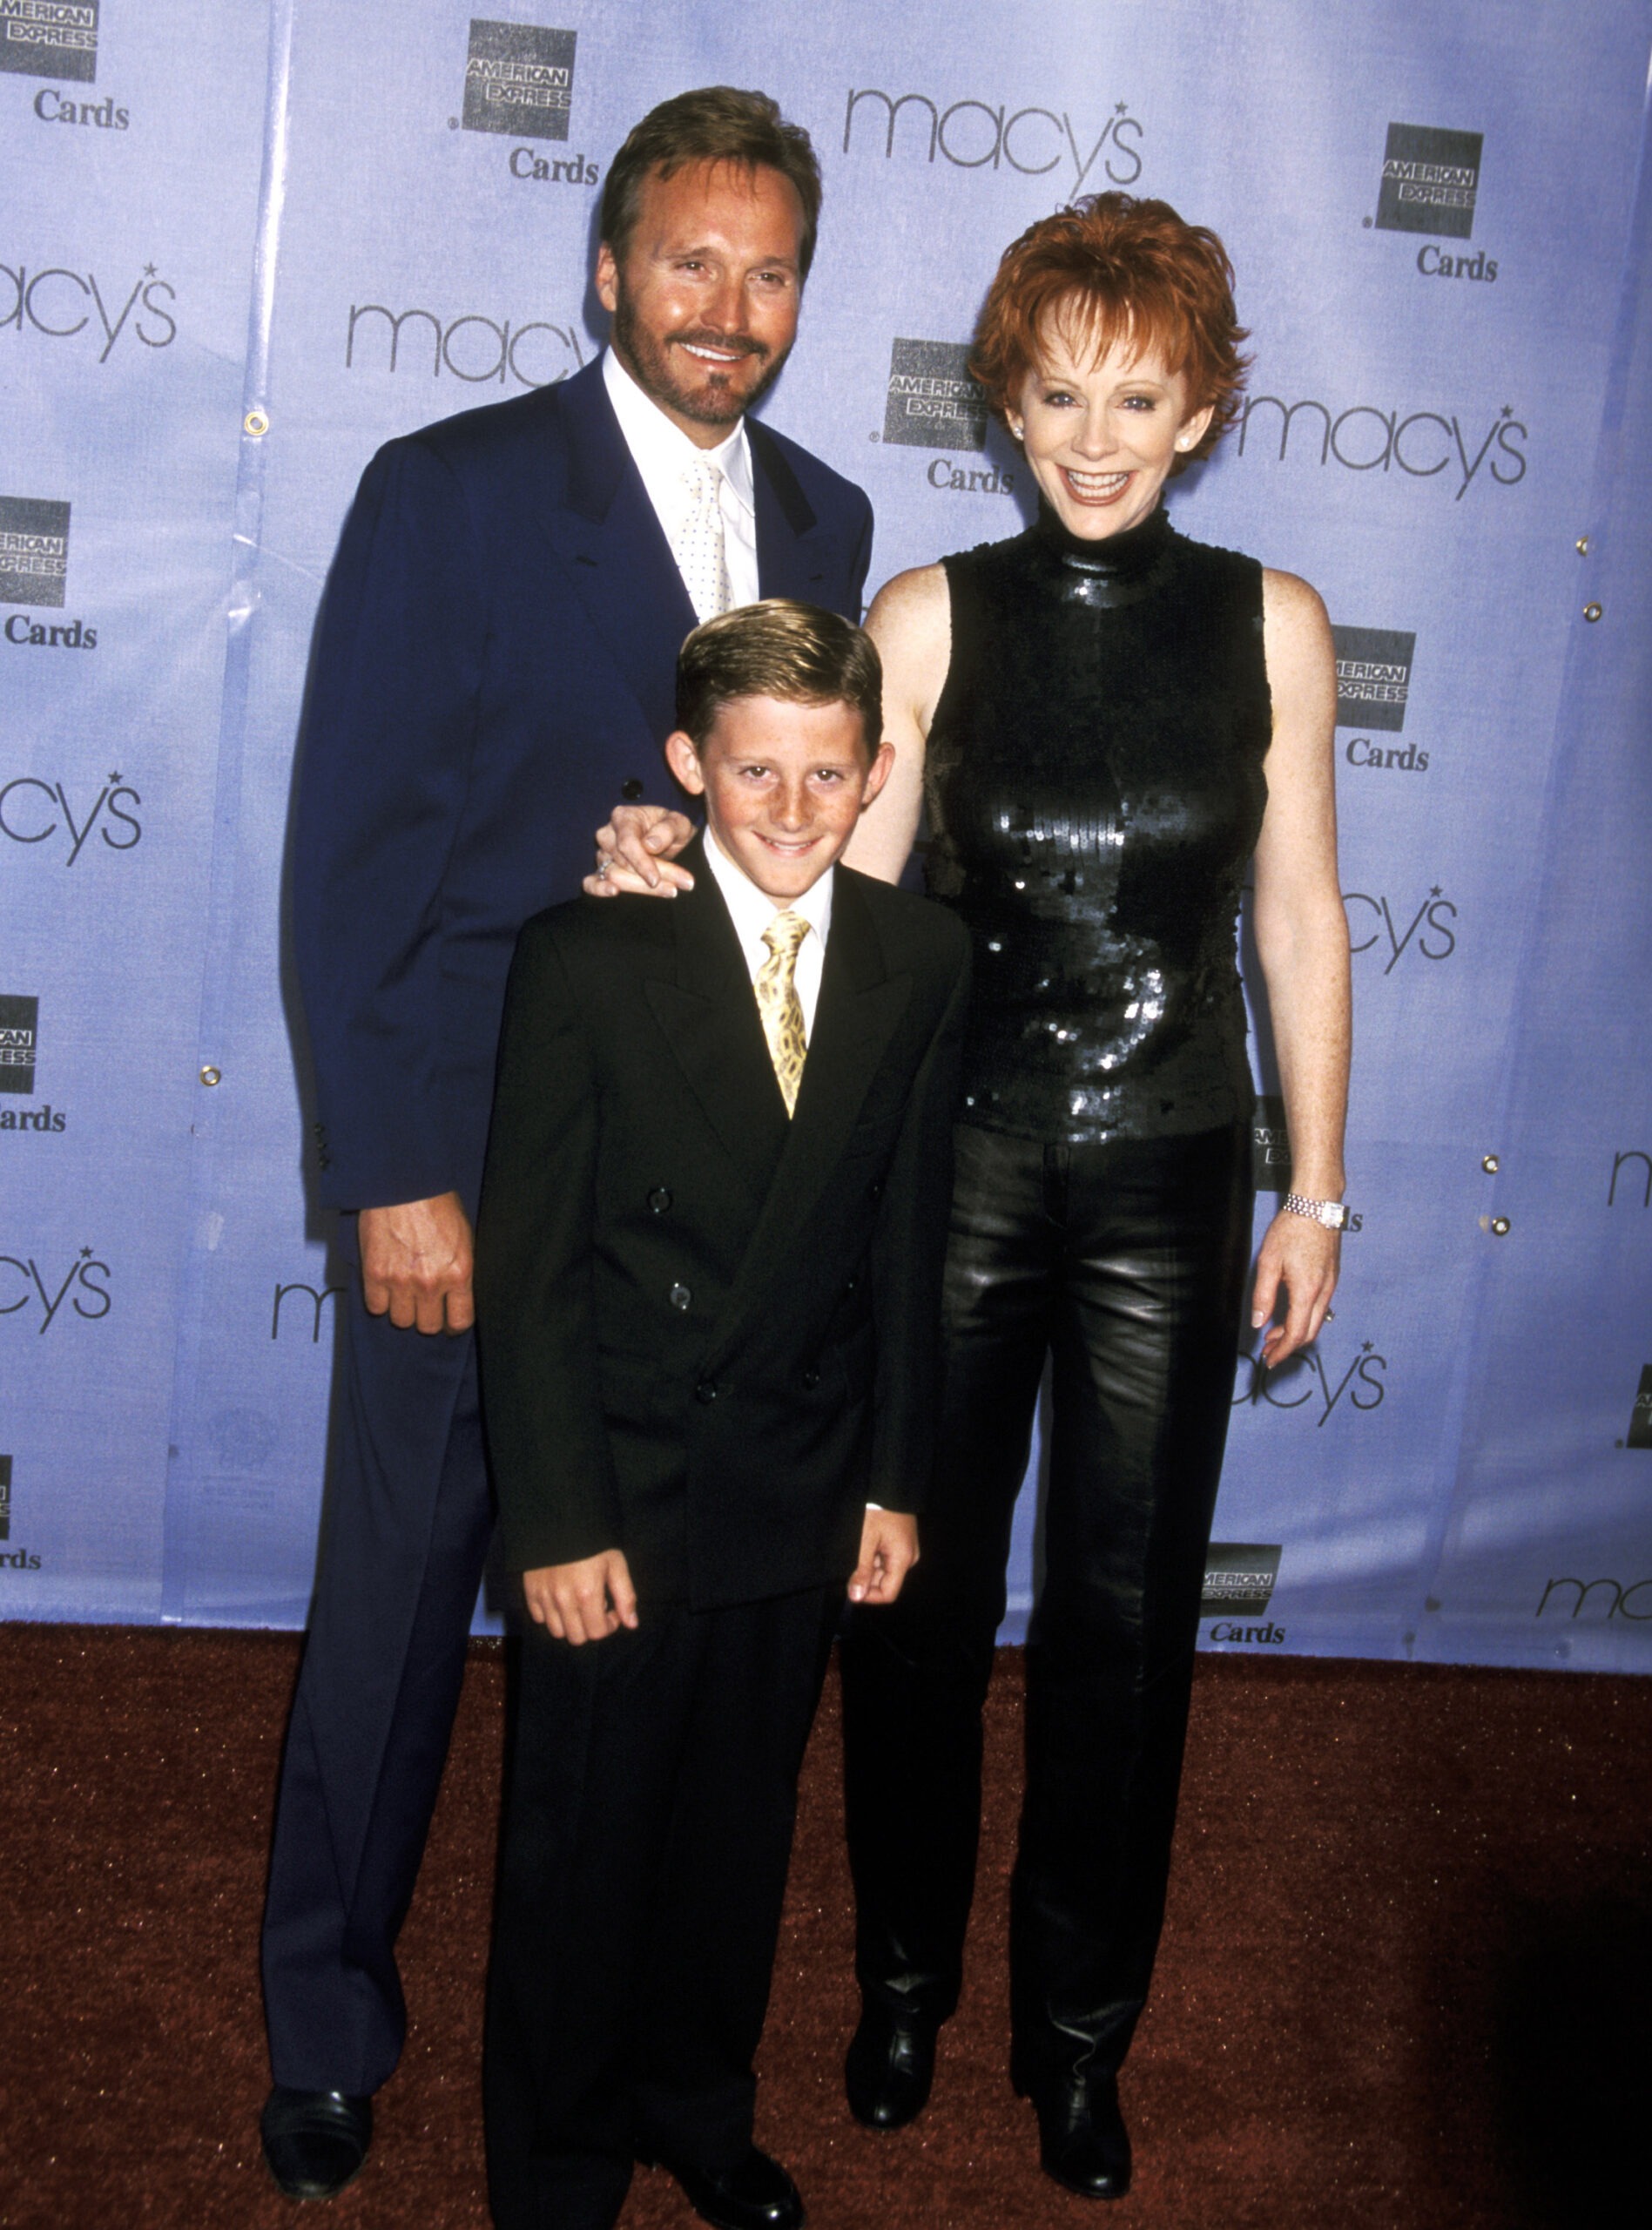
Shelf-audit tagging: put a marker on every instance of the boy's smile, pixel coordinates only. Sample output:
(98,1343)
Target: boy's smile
(784,784)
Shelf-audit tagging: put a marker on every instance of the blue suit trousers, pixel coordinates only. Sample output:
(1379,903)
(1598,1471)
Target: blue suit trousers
(404,1537)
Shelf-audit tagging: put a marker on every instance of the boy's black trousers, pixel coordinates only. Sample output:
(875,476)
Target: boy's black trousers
(650,1796)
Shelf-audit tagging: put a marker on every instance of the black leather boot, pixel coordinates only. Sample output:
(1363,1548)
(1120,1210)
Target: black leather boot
(1082,2141)
(890,2066)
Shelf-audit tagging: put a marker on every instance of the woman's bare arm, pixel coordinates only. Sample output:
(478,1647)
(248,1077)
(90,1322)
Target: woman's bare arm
(1302,941)
(911,622)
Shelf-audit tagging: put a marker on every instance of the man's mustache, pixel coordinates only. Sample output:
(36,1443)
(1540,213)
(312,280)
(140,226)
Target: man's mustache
(732,344)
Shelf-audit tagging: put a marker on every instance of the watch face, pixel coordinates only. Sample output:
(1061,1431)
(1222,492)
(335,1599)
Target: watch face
(1332,1214)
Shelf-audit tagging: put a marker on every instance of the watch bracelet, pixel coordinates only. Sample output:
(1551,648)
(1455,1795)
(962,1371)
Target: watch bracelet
(1298,1203)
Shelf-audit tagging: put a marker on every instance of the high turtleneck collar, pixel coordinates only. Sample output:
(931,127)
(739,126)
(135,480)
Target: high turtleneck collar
(1118,569)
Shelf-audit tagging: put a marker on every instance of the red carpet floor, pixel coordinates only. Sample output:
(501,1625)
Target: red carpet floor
(1406,1979)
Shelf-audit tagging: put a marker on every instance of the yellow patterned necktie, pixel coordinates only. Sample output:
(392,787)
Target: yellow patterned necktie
(700,551)
(778,1004)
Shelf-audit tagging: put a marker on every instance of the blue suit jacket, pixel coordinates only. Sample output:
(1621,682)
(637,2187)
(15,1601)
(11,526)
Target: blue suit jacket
(495,666)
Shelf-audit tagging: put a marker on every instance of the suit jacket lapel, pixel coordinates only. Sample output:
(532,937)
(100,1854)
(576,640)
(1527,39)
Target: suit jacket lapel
(609,535)
(793,551)
(708,1016)
(859,1008)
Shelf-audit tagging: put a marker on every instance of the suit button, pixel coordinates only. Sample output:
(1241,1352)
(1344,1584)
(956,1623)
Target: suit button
(810,1380)
(681,1297)
(854,1280)
(659,1200)
(876,1188)
(705,1391)
(631,789)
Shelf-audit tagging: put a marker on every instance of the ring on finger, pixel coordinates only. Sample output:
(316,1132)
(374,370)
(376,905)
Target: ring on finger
(603,866)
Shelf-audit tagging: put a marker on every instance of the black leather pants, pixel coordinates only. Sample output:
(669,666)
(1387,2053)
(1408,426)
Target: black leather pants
(1125,1264)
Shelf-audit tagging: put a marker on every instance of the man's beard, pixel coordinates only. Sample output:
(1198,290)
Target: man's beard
(709,400)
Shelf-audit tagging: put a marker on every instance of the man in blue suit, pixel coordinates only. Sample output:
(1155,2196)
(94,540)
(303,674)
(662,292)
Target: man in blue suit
(493,670)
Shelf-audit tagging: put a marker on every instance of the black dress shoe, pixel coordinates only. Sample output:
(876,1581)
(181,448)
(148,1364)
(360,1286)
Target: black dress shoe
(1082,2141)
(756,2195)
(314,2140)
(889,2067)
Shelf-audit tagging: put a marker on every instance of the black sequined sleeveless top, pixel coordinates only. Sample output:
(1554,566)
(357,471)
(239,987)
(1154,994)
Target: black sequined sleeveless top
(1094,790)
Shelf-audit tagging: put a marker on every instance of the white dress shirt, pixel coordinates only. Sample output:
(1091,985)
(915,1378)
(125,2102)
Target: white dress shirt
(752,910)
(661,450)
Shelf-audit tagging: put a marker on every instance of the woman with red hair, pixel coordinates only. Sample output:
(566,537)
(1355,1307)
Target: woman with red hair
(1107,722)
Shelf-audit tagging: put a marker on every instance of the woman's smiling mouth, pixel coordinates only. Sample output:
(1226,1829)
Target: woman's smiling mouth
(1095,487)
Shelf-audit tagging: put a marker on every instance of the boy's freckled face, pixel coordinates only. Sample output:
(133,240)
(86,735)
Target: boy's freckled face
(784,784)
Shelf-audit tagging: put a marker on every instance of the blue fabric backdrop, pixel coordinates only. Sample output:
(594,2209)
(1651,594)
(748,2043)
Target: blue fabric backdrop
(245,240)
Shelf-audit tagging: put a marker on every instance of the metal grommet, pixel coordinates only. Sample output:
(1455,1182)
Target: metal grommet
(256,423)
(1591,612)
(1490,1163)
(1499,1226)
(210,1075)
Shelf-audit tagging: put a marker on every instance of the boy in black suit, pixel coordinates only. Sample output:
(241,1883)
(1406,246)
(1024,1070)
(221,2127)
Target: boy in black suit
(708,1277)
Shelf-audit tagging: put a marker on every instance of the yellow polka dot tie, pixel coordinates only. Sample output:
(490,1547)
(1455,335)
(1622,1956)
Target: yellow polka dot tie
(699,549)
(778,1004)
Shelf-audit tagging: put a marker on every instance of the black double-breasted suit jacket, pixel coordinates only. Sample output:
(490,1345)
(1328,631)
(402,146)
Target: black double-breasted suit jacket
(708,1332)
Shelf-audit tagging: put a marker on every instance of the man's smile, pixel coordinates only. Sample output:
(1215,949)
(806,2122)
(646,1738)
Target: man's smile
(709,352)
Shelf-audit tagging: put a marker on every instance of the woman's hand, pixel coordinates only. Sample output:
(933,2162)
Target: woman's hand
(1299,1259)
(634,850)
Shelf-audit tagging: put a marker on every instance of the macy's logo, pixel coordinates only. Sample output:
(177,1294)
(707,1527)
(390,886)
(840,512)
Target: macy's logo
(1619,1607)
(318,1297)
(970,135)
(1364,439)
(488,350)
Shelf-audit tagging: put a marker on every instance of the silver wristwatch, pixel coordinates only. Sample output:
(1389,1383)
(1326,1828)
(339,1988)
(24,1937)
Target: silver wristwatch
(1331,1213)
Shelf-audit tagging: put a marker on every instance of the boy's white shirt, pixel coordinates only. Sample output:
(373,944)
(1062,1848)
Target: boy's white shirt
(752,910)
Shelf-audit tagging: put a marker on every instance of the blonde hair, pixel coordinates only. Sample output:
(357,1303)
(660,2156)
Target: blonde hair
(797,653)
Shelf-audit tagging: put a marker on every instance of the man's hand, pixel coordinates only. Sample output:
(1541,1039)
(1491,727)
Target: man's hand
(888,1551)
(1302,1257)
(582,1602)
(416,1261)
(637,847)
